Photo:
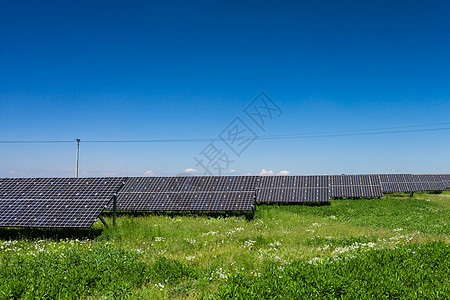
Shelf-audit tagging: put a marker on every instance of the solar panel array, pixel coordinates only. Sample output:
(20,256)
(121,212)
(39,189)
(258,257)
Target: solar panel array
(354,186)
(278,189)
(77,202)
(204,193)
(55,202)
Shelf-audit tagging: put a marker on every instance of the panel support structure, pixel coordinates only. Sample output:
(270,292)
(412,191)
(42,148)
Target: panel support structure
(78,155)
(103,221)
(114,210)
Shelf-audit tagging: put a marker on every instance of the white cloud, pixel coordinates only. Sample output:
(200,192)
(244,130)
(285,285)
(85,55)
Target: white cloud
(188,172)
(108,174)
(16,173)
(232,171)
(284,172)
(266,172)
(149,173)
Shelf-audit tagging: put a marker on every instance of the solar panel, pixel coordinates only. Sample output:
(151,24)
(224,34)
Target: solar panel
(188,193)
(279,189)
(446,180)
(55,202)
(146,184)
(60,188)
(429,182)
(188,201)
(222,183)
(354,186)
(292,195)
(50,213)
(357,191)
(309,181)
(398,183)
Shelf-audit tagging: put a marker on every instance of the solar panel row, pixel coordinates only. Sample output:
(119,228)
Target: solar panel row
(271,188)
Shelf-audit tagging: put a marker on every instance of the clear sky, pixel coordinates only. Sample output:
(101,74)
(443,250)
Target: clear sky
(171,70)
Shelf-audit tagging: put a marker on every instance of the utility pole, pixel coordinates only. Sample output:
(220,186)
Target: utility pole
(78,155)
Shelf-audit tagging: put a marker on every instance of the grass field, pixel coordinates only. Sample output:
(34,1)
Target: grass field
(393,247)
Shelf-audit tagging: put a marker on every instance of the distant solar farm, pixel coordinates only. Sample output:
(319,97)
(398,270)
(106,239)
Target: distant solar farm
(78,202)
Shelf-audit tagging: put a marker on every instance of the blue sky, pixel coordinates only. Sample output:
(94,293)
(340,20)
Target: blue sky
(115,70)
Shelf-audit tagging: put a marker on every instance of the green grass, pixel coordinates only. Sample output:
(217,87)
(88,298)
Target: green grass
(96,271)
(407,272)
(409,214)
(393,247)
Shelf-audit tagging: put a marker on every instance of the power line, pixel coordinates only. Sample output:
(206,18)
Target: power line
(303,136)
(35,142)
(364,130)
(357,132)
